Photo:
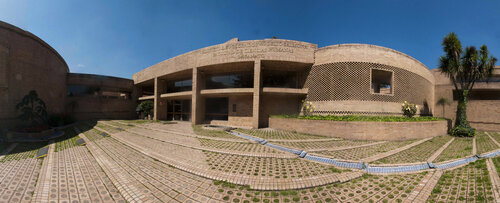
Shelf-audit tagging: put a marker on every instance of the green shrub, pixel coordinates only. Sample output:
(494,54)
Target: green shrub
(463,131)
(32,109)
(145,107)
(409,109)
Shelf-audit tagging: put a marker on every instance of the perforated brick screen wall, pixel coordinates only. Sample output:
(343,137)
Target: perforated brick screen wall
(351,81)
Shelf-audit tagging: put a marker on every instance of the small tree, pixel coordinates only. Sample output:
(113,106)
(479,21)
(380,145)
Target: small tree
(145,107)
(464,68)
(443,101)
(32,108)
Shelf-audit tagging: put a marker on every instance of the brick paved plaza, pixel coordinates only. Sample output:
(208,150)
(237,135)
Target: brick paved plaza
(143,161)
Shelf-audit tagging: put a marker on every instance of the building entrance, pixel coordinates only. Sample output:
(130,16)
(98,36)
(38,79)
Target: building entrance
(179,110)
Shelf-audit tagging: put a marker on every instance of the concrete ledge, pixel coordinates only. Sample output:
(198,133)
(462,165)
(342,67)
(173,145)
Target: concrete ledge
(185,94)
(146,98)
(362,130)
(235,91)
(278,90)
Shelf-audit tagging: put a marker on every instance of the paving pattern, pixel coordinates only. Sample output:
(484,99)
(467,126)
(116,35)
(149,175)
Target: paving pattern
(234,147)
(77,176)
(196,161)
(359,153)
(18,173)
(419,153)
(485,143)
(459,148)
(143,161)
(495,136)
(271,134)
(323,144)
(267,167)
(470,183)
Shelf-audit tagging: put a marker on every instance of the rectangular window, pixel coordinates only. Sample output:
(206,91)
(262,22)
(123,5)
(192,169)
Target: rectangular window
(179,86)
(276,78)
(115,95)
(480,94)
(216,109)
(234,80)
(234,108)
(147,90)
(381,82)
(79,90)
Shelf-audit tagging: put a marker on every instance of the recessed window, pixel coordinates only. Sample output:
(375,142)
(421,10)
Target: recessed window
(216,108)
(234,108)
(179,85)
(229,80)
(381,81)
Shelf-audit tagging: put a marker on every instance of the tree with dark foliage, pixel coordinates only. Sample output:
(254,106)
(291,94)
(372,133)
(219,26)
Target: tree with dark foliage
(464,67)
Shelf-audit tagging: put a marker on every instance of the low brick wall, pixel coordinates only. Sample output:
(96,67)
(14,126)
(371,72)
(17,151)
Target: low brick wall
(362,130)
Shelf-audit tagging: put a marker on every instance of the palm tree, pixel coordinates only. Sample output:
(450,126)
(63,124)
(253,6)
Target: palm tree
(464,68)
(32,108)
(443,101)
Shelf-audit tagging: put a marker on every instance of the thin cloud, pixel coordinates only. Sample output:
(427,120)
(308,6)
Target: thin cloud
(80,65)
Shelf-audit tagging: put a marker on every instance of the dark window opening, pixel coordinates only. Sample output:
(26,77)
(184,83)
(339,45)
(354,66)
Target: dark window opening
(216,109)
(147,90)
(480,95)
(115,95)
(179,86)
(234,80)
(381,82)
(179,110)
(491,79)
(276,78)
(234,108)
(79,90)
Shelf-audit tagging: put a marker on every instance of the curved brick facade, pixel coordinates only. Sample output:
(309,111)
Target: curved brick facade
(337,79)
(28,63)
(340,81)
(344,88)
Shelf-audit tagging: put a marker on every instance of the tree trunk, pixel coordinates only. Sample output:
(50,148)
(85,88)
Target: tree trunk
(461,118)
(443,112)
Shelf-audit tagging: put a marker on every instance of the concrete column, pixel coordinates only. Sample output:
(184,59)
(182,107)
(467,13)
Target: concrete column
(196,111)
(256,93)
(159,110)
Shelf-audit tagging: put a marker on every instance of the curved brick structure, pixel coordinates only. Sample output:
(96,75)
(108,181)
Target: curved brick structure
(28,63)
(338,79)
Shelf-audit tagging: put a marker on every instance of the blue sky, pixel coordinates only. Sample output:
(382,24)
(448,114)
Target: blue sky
(119,37)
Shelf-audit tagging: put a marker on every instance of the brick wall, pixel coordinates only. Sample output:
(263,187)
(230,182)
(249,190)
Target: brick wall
(363,130)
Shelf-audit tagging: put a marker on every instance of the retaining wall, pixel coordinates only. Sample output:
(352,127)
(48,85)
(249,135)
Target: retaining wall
(362,130)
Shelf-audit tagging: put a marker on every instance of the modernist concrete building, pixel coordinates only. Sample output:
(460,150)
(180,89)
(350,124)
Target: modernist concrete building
(241,83)
(237,83)
(28,63)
